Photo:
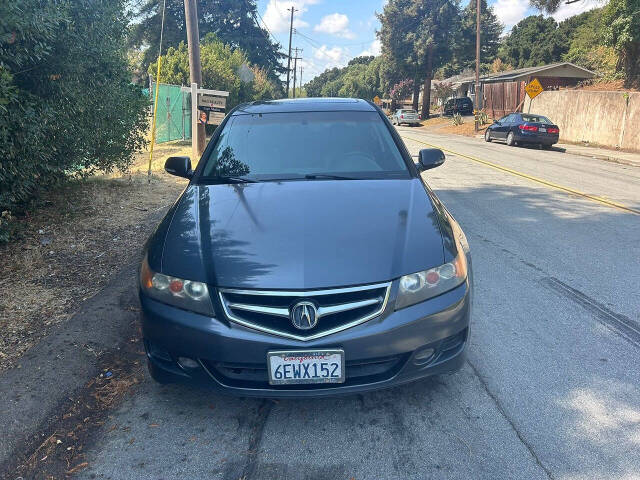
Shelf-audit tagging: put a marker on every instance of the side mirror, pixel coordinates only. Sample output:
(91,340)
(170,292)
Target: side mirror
(430,158)
(179,166)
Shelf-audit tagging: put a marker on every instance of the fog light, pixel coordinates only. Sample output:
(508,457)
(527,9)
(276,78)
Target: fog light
(423,356)
(186,362)
(158,352)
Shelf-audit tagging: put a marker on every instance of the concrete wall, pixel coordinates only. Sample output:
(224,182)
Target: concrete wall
(610,119)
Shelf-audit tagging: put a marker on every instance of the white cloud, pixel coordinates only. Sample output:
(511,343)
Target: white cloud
(335,24)
(565,11)
(278,19)
(332,57)
(510,12)
(374,49)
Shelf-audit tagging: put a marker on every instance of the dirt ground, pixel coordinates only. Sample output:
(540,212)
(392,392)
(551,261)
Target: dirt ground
(72,245)
(445,125)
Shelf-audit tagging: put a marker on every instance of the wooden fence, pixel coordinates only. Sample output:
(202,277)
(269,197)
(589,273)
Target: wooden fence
(502,98)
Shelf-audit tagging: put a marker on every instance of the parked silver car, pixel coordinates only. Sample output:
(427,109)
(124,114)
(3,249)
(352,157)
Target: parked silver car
(405,115)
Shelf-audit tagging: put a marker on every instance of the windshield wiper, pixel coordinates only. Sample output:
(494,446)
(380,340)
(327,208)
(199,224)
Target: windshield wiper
(327,176)
(233,180)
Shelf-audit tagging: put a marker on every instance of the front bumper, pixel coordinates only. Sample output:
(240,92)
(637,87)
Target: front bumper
(389,350)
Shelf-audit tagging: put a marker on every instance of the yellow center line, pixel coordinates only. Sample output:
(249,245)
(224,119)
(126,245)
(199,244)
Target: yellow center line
(534,179)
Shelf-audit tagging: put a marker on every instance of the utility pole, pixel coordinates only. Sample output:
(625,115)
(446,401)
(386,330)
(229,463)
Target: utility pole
(477,95)
(198,132)
(295,69)
(301,79)
(289,57)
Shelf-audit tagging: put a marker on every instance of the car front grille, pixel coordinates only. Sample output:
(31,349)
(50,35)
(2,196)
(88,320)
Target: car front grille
(337,309)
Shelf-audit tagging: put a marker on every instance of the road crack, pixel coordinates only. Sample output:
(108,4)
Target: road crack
(255,438)
(503,412)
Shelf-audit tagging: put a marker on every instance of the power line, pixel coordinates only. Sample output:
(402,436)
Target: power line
(263,23)
(335,44)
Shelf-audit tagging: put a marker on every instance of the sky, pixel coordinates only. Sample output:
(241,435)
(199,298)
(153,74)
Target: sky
(332,32)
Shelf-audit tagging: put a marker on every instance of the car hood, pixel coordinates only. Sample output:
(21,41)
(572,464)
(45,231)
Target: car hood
(302,234)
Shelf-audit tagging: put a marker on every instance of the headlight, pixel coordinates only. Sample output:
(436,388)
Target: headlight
(186,294)
(420,286)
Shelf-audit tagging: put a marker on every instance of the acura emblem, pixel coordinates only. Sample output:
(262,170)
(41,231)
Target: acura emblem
(304,315)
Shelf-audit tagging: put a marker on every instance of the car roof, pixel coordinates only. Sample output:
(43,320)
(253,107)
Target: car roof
(305,105)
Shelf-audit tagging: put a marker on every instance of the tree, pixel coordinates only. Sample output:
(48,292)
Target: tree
(399,56)
(234,22)
(67,106)
(401,90)
(443,91)
(361,78)
(584,34)
(621,29)
(220,66)
(498,66)
(533,41)
(417,35)
(315,86)
(464,55)
(622,32)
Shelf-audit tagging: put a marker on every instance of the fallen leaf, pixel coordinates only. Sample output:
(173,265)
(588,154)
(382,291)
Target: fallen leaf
(153,425)
(78,467)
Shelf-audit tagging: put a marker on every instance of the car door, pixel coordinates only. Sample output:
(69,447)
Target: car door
(500,128)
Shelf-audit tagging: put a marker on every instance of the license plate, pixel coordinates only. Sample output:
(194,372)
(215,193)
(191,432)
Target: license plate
(305,366)
(543,130)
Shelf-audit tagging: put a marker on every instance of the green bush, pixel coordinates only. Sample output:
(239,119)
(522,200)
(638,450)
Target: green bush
(221,65)
(67,106)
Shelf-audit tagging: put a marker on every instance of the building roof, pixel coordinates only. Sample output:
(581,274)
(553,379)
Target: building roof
(552,70)
(305,105)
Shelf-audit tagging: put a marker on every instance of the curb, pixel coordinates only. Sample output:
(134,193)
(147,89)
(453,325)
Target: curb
(53,372)
(598,156)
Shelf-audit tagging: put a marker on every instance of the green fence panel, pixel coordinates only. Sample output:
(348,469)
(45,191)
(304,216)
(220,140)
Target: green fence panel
(173,120)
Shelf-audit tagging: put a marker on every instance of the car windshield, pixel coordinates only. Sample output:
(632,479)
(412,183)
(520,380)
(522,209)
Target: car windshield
(407,111)
(299,145)
(535,119)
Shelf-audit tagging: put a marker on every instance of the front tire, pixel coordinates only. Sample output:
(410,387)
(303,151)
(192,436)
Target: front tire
(487,135)
(511,141)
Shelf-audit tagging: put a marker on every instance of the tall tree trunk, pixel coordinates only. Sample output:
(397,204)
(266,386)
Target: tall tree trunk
(416,93)
(426,94)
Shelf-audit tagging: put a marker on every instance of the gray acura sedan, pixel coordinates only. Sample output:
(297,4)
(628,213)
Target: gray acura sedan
(306,257)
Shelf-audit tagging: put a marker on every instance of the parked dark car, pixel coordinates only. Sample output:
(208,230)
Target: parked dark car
(461,105)
(523,128)
(306,257)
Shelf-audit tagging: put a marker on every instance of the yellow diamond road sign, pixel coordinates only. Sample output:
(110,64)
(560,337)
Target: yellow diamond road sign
(533,88)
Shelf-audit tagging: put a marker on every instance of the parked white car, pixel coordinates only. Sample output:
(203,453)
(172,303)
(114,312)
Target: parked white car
(405,115)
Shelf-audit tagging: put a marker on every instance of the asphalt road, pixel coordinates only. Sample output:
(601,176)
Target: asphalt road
(551,389)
